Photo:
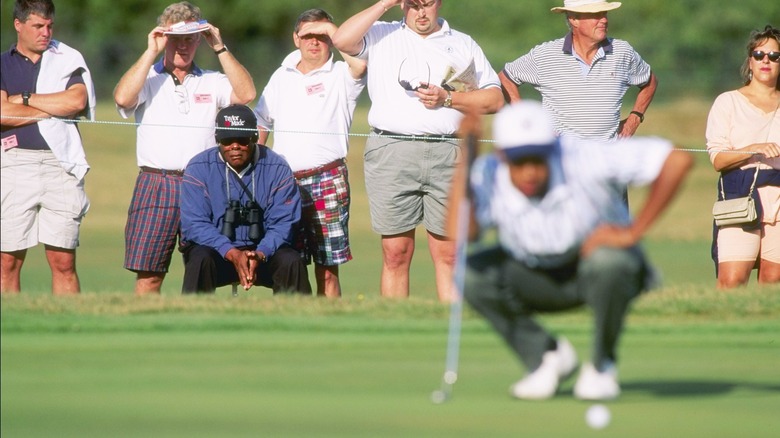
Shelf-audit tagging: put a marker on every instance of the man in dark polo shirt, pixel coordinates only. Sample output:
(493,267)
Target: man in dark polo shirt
(44,85)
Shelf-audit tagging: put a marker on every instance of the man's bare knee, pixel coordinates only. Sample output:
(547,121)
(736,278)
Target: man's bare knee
(61,261)
(148,282)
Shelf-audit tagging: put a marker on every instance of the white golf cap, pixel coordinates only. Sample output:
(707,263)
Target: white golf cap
(523,129)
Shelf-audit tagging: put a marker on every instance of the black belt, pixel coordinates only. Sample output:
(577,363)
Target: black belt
(162,172)
(317,170)
(428,138)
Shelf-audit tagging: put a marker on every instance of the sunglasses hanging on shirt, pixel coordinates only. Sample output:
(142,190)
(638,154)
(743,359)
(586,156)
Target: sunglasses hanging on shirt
(414,83)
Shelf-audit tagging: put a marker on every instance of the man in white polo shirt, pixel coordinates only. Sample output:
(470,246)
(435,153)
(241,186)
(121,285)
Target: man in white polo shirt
(175,104)
(565,239)
(584,76)
(309,102)
(422,75)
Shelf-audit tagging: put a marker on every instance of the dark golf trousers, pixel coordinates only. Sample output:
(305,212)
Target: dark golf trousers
(205,270)
(508,293)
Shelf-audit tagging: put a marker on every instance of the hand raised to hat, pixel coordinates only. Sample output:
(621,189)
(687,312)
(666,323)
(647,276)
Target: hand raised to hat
(317,28)
(156,40)
(387,4)
(213,37)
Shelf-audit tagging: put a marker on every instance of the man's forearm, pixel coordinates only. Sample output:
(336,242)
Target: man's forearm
(28,115)
(243,87)
(349,37)
(646,94)
(132,82)
(509,88)
(662,191)
(484,101)
(61,104)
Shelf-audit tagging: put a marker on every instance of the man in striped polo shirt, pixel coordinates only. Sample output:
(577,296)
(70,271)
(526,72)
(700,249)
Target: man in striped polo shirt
(583,76)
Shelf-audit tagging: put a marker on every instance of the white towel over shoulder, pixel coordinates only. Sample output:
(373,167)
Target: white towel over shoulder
(59,62)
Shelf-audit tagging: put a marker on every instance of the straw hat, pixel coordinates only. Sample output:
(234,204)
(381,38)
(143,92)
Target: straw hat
(586,6)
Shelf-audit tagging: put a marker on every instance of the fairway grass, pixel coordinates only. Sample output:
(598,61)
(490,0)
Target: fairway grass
(114,365)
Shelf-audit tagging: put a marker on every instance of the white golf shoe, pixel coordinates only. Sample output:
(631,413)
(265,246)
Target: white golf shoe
(542,383)
(595,385)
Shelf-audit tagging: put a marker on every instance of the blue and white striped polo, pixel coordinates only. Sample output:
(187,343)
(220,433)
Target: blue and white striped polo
(584,101)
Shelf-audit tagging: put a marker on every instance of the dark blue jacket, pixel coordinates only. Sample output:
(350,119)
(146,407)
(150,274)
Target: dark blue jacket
(204,200)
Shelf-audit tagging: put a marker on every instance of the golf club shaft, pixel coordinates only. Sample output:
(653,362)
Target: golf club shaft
(456,306)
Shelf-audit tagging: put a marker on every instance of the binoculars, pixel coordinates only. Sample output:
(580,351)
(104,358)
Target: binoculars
(249,214)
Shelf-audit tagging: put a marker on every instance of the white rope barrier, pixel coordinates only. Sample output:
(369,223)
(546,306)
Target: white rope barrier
(350,134)
(135,125)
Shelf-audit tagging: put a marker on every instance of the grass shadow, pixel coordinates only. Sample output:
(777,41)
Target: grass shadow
(682,388)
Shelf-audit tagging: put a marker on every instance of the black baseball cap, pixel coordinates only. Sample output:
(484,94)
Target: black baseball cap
(236,121)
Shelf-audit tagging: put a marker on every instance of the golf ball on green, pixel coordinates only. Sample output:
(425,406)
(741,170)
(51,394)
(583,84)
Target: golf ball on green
(598,416)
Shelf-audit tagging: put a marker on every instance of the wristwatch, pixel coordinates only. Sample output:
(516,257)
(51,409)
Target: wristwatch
(638,114)
(448,100)
(26,98)
(220,51)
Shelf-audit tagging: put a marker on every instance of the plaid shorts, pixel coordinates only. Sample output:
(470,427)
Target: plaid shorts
(152,222)
(324,234)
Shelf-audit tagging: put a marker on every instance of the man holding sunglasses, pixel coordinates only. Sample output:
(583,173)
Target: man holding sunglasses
(584,76)
(415,111)
(240,209)
(172,100)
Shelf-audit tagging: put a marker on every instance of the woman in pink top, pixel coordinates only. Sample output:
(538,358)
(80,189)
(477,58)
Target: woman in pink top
(747,120)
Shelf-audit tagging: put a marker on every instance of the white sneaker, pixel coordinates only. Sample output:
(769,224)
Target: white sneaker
(542,383)
(595,385)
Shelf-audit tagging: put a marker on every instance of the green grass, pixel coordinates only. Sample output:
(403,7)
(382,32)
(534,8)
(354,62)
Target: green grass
(695,362)
(114,365)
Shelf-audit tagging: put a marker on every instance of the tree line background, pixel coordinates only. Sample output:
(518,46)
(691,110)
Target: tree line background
(695,46)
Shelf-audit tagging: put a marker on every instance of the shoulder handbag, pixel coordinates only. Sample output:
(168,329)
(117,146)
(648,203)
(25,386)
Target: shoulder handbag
(735,211)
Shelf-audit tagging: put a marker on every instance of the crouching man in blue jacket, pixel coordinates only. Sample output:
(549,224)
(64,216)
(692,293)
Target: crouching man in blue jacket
(240,207)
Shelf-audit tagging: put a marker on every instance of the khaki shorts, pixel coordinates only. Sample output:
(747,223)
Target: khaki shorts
(738,245)
(408,183)
(41,203)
